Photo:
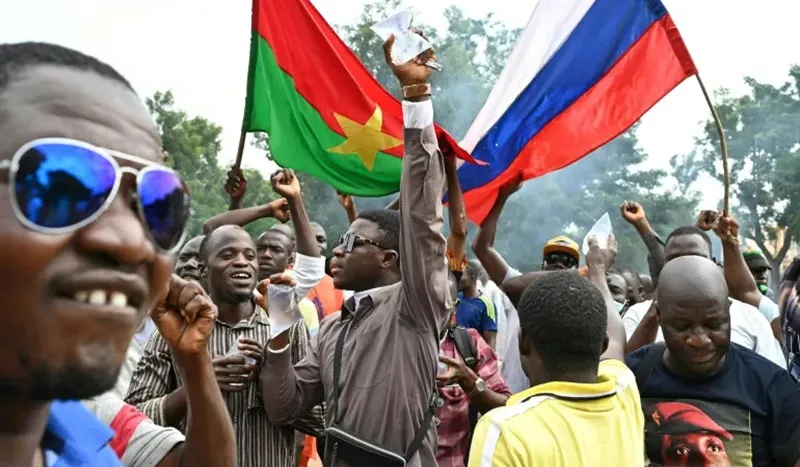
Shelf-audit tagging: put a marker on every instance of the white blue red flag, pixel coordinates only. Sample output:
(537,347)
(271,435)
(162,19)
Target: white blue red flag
(583,72)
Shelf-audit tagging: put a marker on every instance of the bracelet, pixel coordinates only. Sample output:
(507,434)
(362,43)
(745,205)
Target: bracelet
(416,90)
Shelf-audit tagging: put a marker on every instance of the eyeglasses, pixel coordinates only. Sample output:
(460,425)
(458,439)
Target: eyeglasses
(350,240)
(561,258)
(59,185)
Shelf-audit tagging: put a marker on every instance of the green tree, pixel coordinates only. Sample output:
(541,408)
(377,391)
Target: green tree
(762,129)
(193,146)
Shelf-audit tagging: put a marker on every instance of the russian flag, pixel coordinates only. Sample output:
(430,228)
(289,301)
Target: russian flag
(583,72)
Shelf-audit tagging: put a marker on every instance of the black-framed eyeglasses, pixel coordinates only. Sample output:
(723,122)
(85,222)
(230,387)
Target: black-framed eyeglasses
(349,241)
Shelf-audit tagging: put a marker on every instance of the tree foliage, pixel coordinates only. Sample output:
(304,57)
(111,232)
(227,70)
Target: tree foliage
(193,146)
(762,128)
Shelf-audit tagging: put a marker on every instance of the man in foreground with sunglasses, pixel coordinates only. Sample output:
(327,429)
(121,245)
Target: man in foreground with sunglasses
(375,362)
(86,252)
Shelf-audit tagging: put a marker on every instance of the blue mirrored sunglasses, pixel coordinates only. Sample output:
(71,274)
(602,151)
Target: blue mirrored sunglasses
(59,185)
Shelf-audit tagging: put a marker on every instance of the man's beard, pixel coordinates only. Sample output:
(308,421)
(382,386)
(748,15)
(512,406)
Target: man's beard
(67,383)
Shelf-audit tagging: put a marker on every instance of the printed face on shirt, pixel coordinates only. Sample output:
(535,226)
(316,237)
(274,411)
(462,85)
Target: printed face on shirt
(188,264)
(232,265)
(695,449)
(275,251)
(362,267)
(54,342)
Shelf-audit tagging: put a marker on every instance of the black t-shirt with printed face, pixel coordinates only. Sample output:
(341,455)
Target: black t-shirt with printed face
(748,414)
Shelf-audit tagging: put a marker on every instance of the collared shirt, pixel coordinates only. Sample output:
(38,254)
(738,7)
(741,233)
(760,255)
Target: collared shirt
(75,438)
(259,442)
(137,440)
(569,424)
(454,424)
(389,362)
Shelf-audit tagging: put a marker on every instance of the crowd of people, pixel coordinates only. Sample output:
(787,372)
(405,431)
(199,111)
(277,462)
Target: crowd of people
(127,345)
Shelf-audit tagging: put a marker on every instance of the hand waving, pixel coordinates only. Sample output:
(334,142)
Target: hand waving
(512,186)
(185,317)
(413,71)
(286,184)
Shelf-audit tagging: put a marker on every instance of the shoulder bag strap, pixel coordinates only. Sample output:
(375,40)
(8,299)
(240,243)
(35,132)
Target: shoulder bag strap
(422,431)
(337,369)
(649,364)
(464,346)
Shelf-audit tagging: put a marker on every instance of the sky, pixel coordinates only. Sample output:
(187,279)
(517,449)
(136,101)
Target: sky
(199,50)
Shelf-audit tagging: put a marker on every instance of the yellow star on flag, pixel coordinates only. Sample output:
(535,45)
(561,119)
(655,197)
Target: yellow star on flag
(365,140)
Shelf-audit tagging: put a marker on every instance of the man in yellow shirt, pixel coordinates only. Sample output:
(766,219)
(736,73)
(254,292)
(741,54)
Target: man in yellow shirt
(583,407)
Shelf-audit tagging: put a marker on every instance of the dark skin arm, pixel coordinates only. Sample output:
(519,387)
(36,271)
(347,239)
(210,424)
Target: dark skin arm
(235,187)
(279,209)
(491,338)
(600,260)
(483,243)
(646,332)
(515,287)
(287,185)
(457,240)
(741,283)
(349,205)
(634,214)
(459,373)
(185,319)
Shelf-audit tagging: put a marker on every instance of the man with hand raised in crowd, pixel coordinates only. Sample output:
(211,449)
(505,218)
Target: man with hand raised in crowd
(74,298)
(241,330)
(375,362)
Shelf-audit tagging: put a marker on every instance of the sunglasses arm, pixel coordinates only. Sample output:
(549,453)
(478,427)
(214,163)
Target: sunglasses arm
(5,170)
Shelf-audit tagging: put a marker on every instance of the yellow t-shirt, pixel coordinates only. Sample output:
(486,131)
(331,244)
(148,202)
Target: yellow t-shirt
(566,424)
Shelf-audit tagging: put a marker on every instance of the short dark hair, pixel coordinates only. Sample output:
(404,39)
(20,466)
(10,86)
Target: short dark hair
(388,223)
(207,239)
(565,318)
(16,57)
(687,230)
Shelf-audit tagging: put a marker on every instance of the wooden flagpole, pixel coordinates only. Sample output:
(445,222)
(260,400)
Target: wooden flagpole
(723,146)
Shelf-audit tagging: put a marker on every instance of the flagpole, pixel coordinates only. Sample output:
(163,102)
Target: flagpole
(240,151)
(722,143)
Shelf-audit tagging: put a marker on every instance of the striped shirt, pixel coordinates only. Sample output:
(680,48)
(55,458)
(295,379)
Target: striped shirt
(259,443)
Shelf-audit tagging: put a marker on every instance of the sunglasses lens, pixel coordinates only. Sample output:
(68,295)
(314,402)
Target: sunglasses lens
(165,205)
(59,185)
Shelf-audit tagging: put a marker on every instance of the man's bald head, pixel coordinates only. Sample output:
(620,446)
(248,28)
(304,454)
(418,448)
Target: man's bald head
(694,313)
(691,279)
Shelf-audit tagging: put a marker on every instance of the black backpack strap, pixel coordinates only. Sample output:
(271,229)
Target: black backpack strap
(465,346)
(422,431)
(337,369)
(649,363)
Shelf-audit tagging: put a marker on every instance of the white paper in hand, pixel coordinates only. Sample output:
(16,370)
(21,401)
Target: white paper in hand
(601,230)
(283,310)
(407,45)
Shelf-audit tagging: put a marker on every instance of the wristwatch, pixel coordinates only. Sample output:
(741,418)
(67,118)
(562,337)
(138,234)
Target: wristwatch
(416,90)
(480,386)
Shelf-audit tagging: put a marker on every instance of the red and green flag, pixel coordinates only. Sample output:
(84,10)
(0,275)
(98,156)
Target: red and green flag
(325,114)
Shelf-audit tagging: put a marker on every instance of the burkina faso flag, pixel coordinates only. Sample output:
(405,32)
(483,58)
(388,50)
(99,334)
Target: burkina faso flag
(324,112)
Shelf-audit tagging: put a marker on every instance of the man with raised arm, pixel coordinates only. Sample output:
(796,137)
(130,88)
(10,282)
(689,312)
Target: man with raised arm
(380,385)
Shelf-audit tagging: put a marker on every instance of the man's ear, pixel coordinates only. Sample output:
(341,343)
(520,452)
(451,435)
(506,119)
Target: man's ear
(201,267)
(658,311)
(605,344)
(390,258)
(525,345)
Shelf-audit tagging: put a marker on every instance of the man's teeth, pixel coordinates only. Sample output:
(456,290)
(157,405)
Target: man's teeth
(101,297)
(241,275)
